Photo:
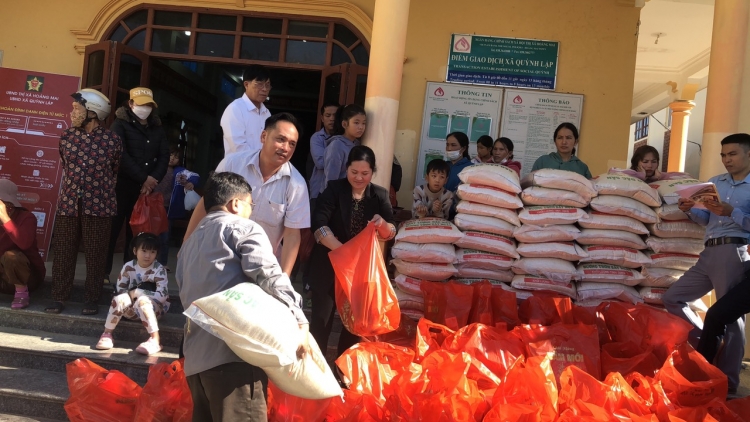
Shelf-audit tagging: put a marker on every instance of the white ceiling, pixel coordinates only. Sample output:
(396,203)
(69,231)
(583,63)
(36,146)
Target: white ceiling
(681,55)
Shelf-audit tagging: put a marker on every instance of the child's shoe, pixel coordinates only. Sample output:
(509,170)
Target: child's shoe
(149,347)
(105,342)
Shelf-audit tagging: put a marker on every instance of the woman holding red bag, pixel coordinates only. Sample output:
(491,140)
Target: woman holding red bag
(342,211)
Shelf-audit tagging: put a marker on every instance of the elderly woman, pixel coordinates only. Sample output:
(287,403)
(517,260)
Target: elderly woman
(90,156)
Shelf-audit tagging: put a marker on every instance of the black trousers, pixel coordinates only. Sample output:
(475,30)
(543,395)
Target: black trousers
(233,392)
(127,193)
(731,306)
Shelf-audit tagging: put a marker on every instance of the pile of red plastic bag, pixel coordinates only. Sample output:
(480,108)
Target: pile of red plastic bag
(97,394)
(545,360)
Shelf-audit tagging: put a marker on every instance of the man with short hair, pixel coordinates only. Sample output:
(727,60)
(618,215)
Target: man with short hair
(318,143)
(724,261)
(279,191)
(244,119)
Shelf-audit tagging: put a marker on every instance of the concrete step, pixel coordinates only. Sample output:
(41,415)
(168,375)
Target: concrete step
(33,393)
(21,348)
(70,321)
(5,417)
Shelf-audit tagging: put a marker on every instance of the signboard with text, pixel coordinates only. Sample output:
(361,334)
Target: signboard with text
(512,62)
(34,110)
(448,108)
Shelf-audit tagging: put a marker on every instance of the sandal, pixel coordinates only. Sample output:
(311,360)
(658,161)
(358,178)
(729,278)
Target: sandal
(20,300)
(148,347)
(90,308)
(54,308)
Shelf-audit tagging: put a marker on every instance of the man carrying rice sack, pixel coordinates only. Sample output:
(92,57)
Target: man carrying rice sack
(724,261)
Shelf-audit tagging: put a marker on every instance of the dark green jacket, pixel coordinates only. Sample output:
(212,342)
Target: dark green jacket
(554,161)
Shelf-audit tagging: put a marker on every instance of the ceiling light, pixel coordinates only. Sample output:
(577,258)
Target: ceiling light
(187,33)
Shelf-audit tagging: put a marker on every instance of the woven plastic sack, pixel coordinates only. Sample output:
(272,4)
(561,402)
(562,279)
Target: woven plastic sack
(494,175)
(611,238)
(472,258)
(535,234)
(669,229)
(630,187)
(428,230)
(408,284)
(550,214)
(566,344)
(521,294)
(149,215)
(425,270)
(410,301)
(569,251)
(488,242)
(675,245)
(440,253)
(689,380)
(603,291)
(465,272)
(166,396)
(560,179)
(660,277)
(489,195)
(600,220)
(365,299)
(483,224)
(652,295)
(99,395)
(536,195)
(619,205)
(529,282)
(616,255)
(674,261)
(671,213)
(448,303)
(558,270)
(466,207)
(668,188)
(608,273)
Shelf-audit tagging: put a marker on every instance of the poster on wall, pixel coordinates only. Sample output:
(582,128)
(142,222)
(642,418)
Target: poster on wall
(530,118)
(456,108)
(34,110)
(511,62)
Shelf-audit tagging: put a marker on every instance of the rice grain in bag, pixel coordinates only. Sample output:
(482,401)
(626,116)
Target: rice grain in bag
(533,283)
(676,245)
(428,230)
(608,273)
(557,270)
(668,188)
(471,272)
(488,242)
(410,301)
(667,229)
(619,205)
(660,277)
(674,261)
(652,295)
(544,215)
(495,283)
(671,213)
(408,284)
(489,174)
(483,224)
(473,208)
(425,270)
(611,238)
(616,255)
(536,195)
(604,291)
(441,253)
(535,234)
(569,251)
(560,179)
(489,195)
(600,220)
(630,187)
(473,258)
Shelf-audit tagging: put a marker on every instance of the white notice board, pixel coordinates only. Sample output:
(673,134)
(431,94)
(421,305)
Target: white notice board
(456,108)
(530,118)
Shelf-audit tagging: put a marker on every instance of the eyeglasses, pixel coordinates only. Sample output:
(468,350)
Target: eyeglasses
(266,85)
(250,203)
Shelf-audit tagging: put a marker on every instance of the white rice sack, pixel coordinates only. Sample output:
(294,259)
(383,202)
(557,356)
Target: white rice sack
(536,195)
(660,277)
(410,301)
(488,195)
(425,270)
(441,253)
(678,229)
(592,303)
(599,220)
(529,282)
(674,261)
(550,214)
(473,208)
(483,224)
(630,187)
(668,188)
(471,272)
(262,332)
(495,283)
(521,295)
(569,251)
(473,258)
(408,284)
(535,234)
(619,205)
(608,273)
(560,179)
(671,213)
(616,255)
(413,314)
(604,291)
(488,174)
(557,270)
(676,245)
(611,238)
(652,295)
(490,242)
(428,230)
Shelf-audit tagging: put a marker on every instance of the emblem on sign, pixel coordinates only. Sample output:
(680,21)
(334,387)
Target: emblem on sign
(462,44)
(518,100)
(34,83)
(439,92)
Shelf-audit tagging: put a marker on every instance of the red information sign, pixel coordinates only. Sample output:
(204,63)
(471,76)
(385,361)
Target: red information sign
(34,109)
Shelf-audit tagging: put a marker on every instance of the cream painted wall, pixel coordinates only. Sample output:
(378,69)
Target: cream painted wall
(695,134)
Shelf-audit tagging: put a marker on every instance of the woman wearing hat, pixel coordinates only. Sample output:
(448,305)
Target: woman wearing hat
(145,157)
(90,156)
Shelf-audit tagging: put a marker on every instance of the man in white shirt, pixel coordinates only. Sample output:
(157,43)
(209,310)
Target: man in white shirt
(280,198)
(244,119)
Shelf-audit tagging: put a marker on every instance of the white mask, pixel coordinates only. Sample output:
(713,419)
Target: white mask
(453,155)
(142,112)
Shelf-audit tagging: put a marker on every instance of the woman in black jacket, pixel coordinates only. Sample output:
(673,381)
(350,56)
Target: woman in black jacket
(145,157)
(341,212)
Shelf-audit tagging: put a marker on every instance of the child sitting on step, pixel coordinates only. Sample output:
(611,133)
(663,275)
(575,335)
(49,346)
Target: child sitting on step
(141,292)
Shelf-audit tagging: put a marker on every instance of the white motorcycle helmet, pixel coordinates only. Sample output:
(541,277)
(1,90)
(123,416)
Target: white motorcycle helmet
(95,101)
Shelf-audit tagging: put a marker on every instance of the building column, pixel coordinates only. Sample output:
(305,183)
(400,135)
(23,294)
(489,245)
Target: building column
(384,82)
(678,134)
(726,68)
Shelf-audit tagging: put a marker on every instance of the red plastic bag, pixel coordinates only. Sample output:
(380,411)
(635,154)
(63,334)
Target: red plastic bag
(589,315)
(149,215)
(166,396)
(354,407)
(447,303)
(546,309)
(528,392)
(689,380)
(740,407)
(430,338)
(716,410)
(567,344)
(652,393)
(629,357)
(283,407)
(405,335)
(504,308)
(491,350)
(368,368)
(365,298)
(99,395)
(664,331)
(481,304)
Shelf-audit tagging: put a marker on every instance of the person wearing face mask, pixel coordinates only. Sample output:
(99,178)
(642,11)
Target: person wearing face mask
(90,156)
(502,153)
(565,139)
(457,151)
(145,158)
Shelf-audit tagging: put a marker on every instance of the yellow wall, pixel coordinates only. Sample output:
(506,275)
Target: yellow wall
(745,115)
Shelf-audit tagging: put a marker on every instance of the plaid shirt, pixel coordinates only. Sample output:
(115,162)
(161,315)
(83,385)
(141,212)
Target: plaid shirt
(90,162)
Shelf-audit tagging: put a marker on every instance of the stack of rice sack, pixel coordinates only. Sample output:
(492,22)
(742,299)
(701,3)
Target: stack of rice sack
(675,243)
(423,251)
(611,232)
(553,202)
(487,217)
